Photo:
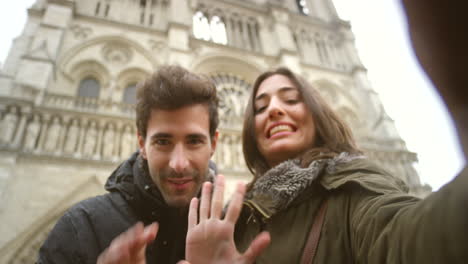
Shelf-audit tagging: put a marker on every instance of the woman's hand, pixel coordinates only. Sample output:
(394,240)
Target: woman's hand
(211,239)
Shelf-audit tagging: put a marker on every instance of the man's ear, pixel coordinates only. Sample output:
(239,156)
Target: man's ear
(214,141)
(141,144)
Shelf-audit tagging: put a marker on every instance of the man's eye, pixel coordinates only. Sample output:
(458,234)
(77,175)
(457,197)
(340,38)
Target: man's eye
(161,142)
(195,141)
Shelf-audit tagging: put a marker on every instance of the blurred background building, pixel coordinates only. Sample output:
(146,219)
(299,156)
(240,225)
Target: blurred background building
(68,86)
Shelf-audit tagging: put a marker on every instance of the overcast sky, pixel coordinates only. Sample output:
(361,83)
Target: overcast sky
(384,47)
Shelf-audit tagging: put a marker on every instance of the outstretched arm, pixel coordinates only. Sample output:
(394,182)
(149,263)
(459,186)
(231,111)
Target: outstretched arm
(130,246)
(210,238)
(439,37)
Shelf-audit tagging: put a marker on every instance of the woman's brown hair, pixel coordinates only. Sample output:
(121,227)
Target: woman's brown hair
(333,136)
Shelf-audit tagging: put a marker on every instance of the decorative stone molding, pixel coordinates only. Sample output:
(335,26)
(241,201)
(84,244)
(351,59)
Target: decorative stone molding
(233,94)
(157,45)
(117,53)
(88,104)
(68,135)
(81,32)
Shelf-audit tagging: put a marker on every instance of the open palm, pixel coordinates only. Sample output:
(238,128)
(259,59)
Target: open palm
(211,239)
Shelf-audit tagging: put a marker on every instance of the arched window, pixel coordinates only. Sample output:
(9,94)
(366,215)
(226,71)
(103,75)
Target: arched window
(89,87)
(201,28)
(302,6)
(214,29)
(218,30)
(129,95)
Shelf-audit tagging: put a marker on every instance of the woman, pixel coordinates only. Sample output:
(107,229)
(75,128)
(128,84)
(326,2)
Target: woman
(319,198)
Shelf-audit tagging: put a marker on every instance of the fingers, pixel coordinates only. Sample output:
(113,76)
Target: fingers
(193,214)
(235,205)
(205,201)
(257,246)
(146,236)
(150,232)
(140,236)
(119,249)
(218,198)
(129,247)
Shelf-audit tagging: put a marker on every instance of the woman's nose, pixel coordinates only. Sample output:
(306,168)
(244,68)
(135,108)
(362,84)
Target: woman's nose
(275,110)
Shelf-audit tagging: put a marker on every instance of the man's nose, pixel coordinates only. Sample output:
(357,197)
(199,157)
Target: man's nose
(179,161)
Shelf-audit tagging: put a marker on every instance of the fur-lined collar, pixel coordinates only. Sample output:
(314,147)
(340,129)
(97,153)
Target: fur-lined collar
(281,185)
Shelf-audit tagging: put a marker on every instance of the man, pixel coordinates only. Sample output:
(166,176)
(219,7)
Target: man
(176,118)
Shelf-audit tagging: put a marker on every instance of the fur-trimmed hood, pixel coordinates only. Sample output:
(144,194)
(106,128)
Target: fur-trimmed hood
(284,183)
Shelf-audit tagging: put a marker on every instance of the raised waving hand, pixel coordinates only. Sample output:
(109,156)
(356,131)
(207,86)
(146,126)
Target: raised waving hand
(130,246)
(210,237)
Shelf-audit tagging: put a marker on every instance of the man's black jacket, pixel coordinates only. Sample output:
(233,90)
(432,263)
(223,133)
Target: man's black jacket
(87,229)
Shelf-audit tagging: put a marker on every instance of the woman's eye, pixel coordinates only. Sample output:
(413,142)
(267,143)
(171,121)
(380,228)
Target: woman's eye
(260,109)
(292,101)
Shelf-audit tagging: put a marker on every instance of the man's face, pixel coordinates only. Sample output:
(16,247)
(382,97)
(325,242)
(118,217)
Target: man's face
(178,147)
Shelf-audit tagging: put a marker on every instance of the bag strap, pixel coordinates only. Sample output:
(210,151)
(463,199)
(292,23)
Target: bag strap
(314,235)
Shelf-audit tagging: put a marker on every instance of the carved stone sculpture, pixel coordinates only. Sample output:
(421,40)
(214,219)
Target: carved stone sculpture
(238,154)
(8,126)
(128,145)
(53,134)
(72,137)
(90,140)
(227,151)
(108,142)
(32,133)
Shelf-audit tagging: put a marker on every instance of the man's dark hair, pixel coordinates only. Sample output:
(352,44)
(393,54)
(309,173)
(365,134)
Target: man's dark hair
(173,87)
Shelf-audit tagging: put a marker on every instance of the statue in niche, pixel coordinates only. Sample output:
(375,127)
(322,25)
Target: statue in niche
(238,153)
(72,137)
(231,106)
(108,142)
(218,154)
(8,126)
(227,151)
(90,140)
(53,134)
(32,133)
(235,103)
(128,145)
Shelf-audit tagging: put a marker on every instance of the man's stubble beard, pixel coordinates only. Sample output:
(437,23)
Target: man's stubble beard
(165,174)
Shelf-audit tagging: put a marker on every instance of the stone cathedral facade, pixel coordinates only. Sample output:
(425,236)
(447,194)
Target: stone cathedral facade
(67,91)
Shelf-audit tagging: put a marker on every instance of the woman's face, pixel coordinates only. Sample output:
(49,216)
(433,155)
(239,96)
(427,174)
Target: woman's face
(284,127)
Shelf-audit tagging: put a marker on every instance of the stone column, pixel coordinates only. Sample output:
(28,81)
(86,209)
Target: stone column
(63,134)
(81,137)
(179,32)
(237,38)
(24,113)
(229,33)
(255,37)
(44,128)
(245,35)
(100,131)
(149,4)
(65,128)
(331,52)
